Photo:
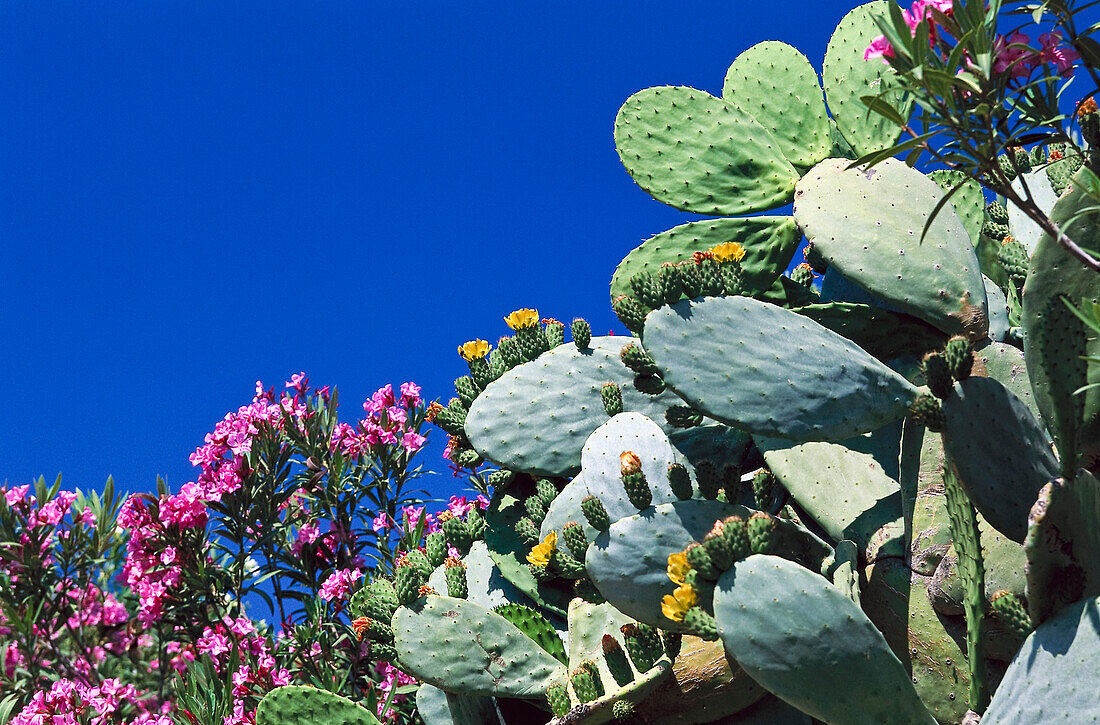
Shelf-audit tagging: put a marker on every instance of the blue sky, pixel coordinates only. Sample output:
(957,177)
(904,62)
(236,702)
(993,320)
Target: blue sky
(197,195)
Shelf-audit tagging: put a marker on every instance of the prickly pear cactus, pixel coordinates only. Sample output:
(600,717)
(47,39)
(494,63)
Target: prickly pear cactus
(297,705)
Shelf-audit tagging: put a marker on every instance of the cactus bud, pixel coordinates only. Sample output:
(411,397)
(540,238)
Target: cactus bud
(736,534)
(452,419)
(637,488)
(718,548)
(1010,609)
(997,212)
(558,698)
(761,527)
(546,491)
(527,531)
(699,558)
(454,572)
(691,278)
(622,711)
(509,351)
(927,411)
(583,685)
(763,489)
(937,375)
(706,475)
(536,508)
(670,282)
(637,360)
(540,572)
(531,342)
(554,332)
(671,641)
(458,534)
(702,624)
(573,533)
(383,652)
(630,313)
(612,399)
(503,477)
(593,510)
(567,565)
(475,523)
(378,600)
(1014,258)
(643,644)
(647,290)
(959,356)
(417,558)
(710,276)
(682,416)
(582,334)
(814,258)
(1089,121)
(466,389)
(435,546)
(479,371)
(679,481)
(649,384)
(803,274)
(466,458)
(731,482)
(732,281)
(407,580)
(615,658)
(629,463)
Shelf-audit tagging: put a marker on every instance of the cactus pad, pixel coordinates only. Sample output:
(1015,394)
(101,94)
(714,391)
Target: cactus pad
(299,705)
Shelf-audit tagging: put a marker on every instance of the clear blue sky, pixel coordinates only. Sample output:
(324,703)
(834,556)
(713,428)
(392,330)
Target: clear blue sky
(196,195)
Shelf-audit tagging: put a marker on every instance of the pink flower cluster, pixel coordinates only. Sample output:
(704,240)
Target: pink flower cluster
(257,673)
(70,703)
(338,583)
(385,423)
(917,13)
(391,678)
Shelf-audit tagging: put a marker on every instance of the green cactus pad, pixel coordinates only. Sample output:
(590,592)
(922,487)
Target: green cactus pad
(764,369)
(537,627)
(1053,271)
(854,218)
(842,489)
(1052,679)
(847,77)
(299,705)
(1005,364)
(487,586)
(997,305)
(999,450)
(438,707)
(536,417)
(803,640)
(777,86)
(698,153)
(1023,229)
(1063,545)
(600,472)
(467,648)
(708,441)
(968,202)
(769,241)
(886,335)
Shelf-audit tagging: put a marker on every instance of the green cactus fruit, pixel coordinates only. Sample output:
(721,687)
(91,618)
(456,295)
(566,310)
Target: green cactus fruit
(301,705)
(595,513)
(374,630)
(536,508)
(584,686)
(567,565)
(710,276)
(637,360)
(617,663)
(701,624)
(1013,257)
(672,642)
(497,366)
(637,488)
(407,581)
(376,600)
(509,351)
(630,313)
(555,333)
(595,672)
(706,475)
(814,258)
(475,522)
(531,342)
(959,356)
(718,548)
(683,416)
(479,371)
(671,283)
(467,389)
(731,482)
(452,418)
(582,333)
(546,491)
(691,278)
(995,231)
(803,274)
(937,375)
(927,411)
(997,212)
(1008,168)
(458,534)
(541,572)
(699,558)
(612,398)
(761,529)
(455,572)
(586,590)
(527,531)
(679,481)
(733,281)
(649,384)
(435,546)
(503,477)
(647,290)
(622,711)
(1022,159)
(643,644)
(573,533)
(1009,609)
(466,458)
(558,698)
(763,489)
(383,652)
(735,531)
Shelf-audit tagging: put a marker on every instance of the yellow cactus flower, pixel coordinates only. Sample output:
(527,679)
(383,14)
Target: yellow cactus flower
(678,567)
(728,252)
(541,553)
(675,605)
(473,350)
(522,319)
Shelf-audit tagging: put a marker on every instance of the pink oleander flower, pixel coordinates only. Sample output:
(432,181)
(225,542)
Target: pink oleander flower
(338,583)
(382,522)
(459,506)
(410,394)
(919,11)
(1012,55)
(1054,50)
(17,495)
(412,442)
